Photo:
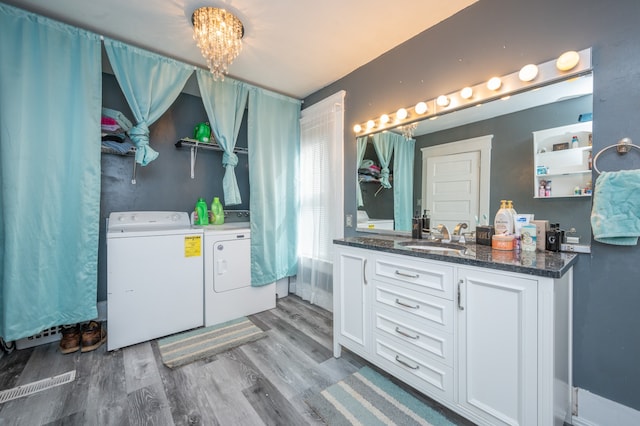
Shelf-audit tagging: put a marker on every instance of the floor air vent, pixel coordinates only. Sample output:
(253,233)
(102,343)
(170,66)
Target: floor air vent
(40,385)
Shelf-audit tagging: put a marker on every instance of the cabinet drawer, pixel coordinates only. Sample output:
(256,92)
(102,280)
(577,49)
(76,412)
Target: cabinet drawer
(434,343)
(419,275)
(424,374)
(437,312)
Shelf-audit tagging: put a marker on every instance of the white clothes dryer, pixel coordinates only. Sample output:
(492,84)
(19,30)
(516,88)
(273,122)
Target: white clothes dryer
(228,293)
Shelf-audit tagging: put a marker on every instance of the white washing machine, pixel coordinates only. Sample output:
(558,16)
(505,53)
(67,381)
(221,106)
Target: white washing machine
(154,276)
(228,293)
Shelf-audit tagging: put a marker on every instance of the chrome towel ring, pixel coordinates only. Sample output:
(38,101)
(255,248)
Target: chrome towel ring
(623,146)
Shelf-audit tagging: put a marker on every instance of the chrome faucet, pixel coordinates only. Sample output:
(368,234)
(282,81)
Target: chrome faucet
(459,227)
(457,236)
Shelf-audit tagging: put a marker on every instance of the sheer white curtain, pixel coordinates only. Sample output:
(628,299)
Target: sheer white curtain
(321,198)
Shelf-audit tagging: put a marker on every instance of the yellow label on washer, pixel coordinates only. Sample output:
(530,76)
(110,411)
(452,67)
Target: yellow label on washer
(193,246)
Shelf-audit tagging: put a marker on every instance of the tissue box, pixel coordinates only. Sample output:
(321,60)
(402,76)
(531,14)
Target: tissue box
(484,234)
(542,226)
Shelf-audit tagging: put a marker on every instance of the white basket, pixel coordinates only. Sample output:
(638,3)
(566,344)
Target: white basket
(49,335)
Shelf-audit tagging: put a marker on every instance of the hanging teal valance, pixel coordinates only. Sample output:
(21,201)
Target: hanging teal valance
(225,102)
(150,83)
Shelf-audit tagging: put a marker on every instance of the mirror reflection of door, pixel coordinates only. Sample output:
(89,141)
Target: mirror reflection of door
(456,182)
(453,191)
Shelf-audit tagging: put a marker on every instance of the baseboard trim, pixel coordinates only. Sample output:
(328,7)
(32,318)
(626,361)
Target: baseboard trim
(594,410)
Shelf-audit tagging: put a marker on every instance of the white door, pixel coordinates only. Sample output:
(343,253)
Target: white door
(453,191)
(497,344)
(456,182)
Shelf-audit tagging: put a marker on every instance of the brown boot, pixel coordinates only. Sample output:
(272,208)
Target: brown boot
(70,341)
(93,335)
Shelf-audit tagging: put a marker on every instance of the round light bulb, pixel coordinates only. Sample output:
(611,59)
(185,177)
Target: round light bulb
(371,124)
(357,128)
(494,83)
(568,60)
(421,107)
(442,101)
(528,72)
(401,114)
(466,93)
(384,119)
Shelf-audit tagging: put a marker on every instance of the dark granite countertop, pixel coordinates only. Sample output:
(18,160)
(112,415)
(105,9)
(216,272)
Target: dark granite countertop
(539,263)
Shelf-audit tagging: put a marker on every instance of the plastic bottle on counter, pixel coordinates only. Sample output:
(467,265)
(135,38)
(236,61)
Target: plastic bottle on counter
(416,226)
(217,212)
(202,215)
(512,210)
(426,220)
(503,222)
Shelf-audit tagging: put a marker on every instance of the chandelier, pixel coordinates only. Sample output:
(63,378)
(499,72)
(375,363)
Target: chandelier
(218,34)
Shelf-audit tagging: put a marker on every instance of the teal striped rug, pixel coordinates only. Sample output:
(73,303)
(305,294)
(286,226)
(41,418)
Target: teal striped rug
(367,398)
(183,348)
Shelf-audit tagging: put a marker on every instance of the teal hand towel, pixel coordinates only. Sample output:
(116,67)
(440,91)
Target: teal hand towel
(615,217)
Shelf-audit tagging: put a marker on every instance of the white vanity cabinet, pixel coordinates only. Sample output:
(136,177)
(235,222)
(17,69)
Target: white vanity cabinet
(351,301)
(493,346)
(497,346)
(413,322)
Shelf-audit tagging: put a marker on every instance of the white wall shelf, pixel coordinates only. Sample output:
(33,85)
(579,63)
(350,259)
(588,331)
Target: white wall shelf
(207,145)
(568,170)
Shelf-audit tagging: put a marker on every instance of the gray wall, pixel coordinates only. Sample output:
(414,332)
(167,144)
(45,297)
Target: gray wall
(497,37)
(164,184)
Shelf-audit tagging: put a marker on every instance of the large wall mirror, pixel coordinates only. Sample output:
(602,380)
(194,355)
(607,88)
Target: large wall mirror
(502,130)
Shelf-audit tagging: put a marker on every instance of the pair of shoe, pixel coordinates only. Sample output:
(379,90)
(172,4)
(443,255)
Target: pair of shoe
(90,337)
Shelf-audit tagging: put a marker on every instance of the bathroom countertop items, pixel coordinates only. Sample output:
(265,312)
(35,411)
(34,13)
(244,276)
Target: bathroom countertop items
(540,263)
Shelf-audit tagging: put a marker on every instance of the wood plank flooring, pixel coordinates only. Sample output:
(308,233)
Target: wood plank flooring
(261,383)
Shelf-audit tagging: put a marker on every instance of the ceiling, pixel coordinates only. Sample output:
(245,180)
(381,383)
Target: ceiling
(292,47)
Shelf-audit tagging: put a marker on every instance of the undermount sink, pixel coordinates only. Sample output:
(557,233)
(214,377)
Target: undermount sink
(438,246)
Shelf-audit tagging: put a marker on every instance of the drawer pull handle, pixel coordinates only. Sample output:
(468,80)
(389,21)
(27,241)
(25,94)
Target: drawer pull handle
(402,274)
(407,306)
(406,334)
(406,365)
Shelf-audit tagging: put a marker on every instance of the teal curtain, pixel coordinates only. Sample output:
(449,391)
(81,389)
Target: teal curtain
(403,163)
(150,83)
(383,143)
(225,102)
(274,147)
(50,100)
(361,146)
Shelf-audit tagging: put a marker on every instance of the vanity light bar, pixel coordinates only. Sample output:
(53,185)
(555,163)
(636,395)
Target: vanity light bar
(569,64)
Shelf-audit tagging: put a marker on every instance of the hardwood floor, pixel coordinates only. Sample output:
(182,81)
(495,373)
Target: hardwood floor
(261,383)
